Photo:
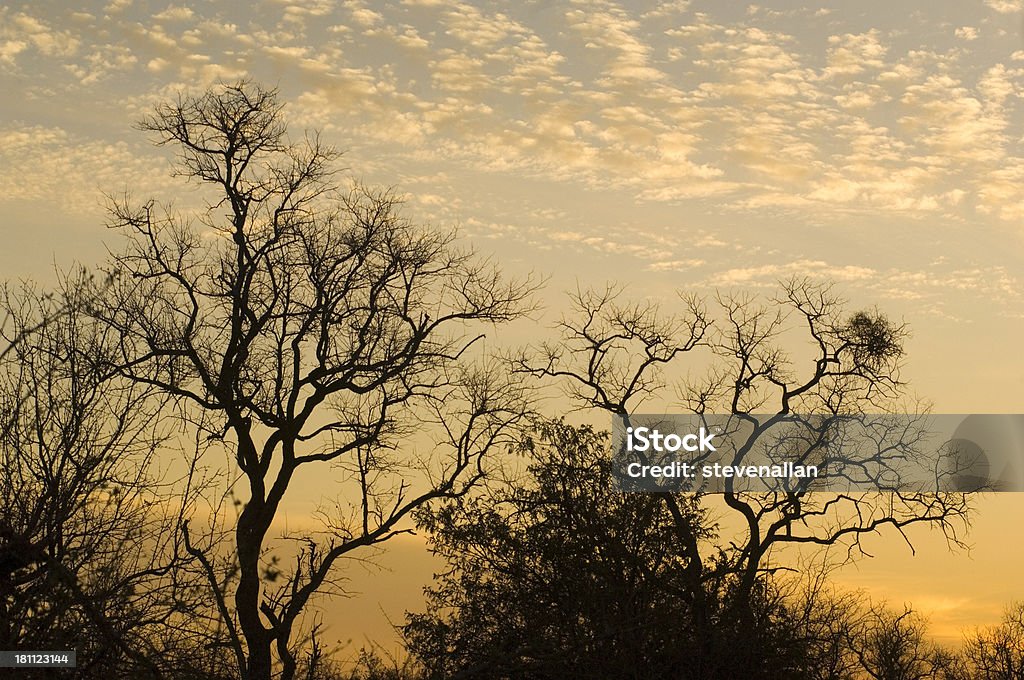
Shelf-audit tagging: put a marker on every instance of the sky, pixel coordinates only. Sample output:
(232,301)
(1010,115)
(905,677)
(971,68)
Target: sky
(693,145)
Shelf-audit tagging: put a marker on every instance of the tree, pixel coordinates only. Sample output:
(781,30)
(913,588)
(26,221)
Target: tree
(553,574)
(824,619)
(296,326)
(88,547)
(613,356)
(893,645)
(997,653)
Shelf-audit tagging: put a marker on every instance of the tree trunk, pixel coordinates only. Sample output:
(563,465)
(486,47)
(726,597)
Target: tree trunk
(249,537)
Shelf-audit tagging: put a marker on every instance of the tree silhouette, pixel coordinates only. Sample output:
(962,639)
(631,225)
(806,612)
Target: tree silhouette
(893,645)
(297,326)
(614,355)
(555,574)
(997,653)
(89,555)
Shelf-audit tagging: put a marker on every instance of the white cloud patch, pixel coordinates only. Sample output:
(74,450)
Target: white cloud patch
(21,31)
(768,275)
(1005,6)
(9,49)
(174,13)
(851,54)
(675,265)
(472,26)
(608,27)
(101,62)
(117,6)
(967,33)
(49,164)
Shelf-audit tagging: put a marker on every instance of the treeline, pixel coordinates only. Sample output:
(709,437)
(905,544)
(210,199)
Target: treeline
(155,413)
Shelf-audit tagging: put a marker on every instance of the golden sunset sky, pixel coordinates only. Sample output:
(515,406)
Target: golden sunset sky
(694,145)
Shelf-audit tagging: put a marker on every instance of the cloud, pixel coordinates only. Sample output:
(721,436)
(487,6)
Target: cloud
(852,54)
(670,105)
(1005,6)
(956,122)
(754,127)
(40,163)
(667,9)
(966,33)
(769,274)
(471,26)
(363,15)
(675,265)
(101,62)
(606,26)
(20,31)
(174,13)
(10,49)
(117,6)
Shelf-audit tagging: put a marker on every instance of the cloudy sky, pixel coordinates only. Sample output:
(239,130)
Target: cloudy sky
(689,144)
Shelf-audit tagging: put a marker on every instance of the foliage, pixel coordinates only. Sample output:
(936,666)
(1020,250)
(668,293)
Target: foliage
(556,574)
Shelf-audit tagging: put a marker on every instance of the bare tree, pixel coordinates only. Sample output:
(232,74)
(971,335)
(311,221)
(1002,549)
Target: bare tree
(997,653)
(554,573)
(854,368)
(893,645)
(824,618)
(88,547)
(614,356)
(611,357)
(298,327)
